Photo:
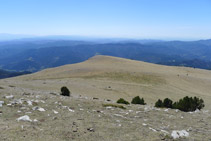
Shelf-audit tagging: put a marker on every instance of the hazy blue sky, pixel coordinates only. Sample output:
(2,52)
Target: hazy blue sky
(164,19)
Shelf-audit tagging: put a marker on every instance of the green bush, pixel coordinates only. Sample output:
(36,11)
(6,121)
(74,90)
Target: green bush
(159,103)
(65,91)
(189,104)
(185,104)
(167,103)
(122,101)
(138,100)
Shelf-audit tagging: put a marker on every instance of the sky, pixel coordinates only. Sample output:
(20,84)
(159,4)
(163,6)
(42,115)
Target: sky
(140,19)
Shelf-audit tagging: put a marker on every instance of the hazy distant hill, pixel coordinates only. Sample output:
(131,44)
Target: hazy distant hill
(195,63)
(36,54)
(6,74)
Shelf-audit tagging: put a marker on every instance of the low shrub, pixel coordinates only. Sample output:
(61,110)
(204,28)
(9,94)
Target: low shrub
(159,103)
(122,101)
(65,91)
(167,103)
(185,104)
(189,104)
(138,100)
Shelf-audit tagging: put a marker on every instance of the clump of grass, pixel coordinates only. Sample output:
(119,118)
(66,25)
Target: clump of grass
(114,105)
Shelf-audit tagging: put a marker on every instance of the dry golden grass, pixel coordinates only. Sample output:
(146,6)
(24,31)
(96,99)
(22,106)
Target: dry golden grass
(129,77)
(114,105)
(81,117)
(126,78)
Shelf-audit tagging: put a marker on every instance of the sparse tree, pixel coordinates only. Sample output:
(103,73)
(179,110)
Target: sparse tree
(189,104)
(122,101)
(159,103)
(167,103)
(138,100)
(65,91)
(185,104)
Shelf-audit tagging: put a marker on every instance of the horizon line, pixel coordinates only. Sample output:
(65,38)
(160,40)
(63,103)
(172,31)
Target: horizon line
(31,36)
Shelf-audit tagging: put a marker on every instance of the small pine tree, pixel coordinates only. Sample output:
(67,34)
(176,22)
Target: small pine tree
(138,100)
(122,101)
(159,103)
(65,91)
(190,104)
(167,103)
(185,104)
(198,103)
(174,106)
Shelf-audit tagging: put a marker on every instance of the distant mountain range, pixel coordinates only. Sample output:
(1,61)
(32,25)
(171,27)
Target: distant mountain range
(6,74)
(33,54)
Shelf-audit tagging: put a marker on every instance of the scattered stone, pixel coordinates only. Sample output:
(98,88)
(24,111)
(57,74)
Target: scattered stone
(1,103)
(35,120)
(24,118)
(23,108)
(166,110)
(190,129)
(130,111)
(95,98)
(38,109)
(118,115)
(9,104)
(9,97)
(29,103)
(152,129)
(109,107)
(55,112)
(178,134)
(71,110)
(144,124)
(41,109)
(91,129)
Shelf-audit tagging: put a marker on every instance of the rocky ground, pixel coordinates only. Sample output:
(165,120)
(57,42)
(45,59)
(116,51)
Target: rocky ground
(30,114)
